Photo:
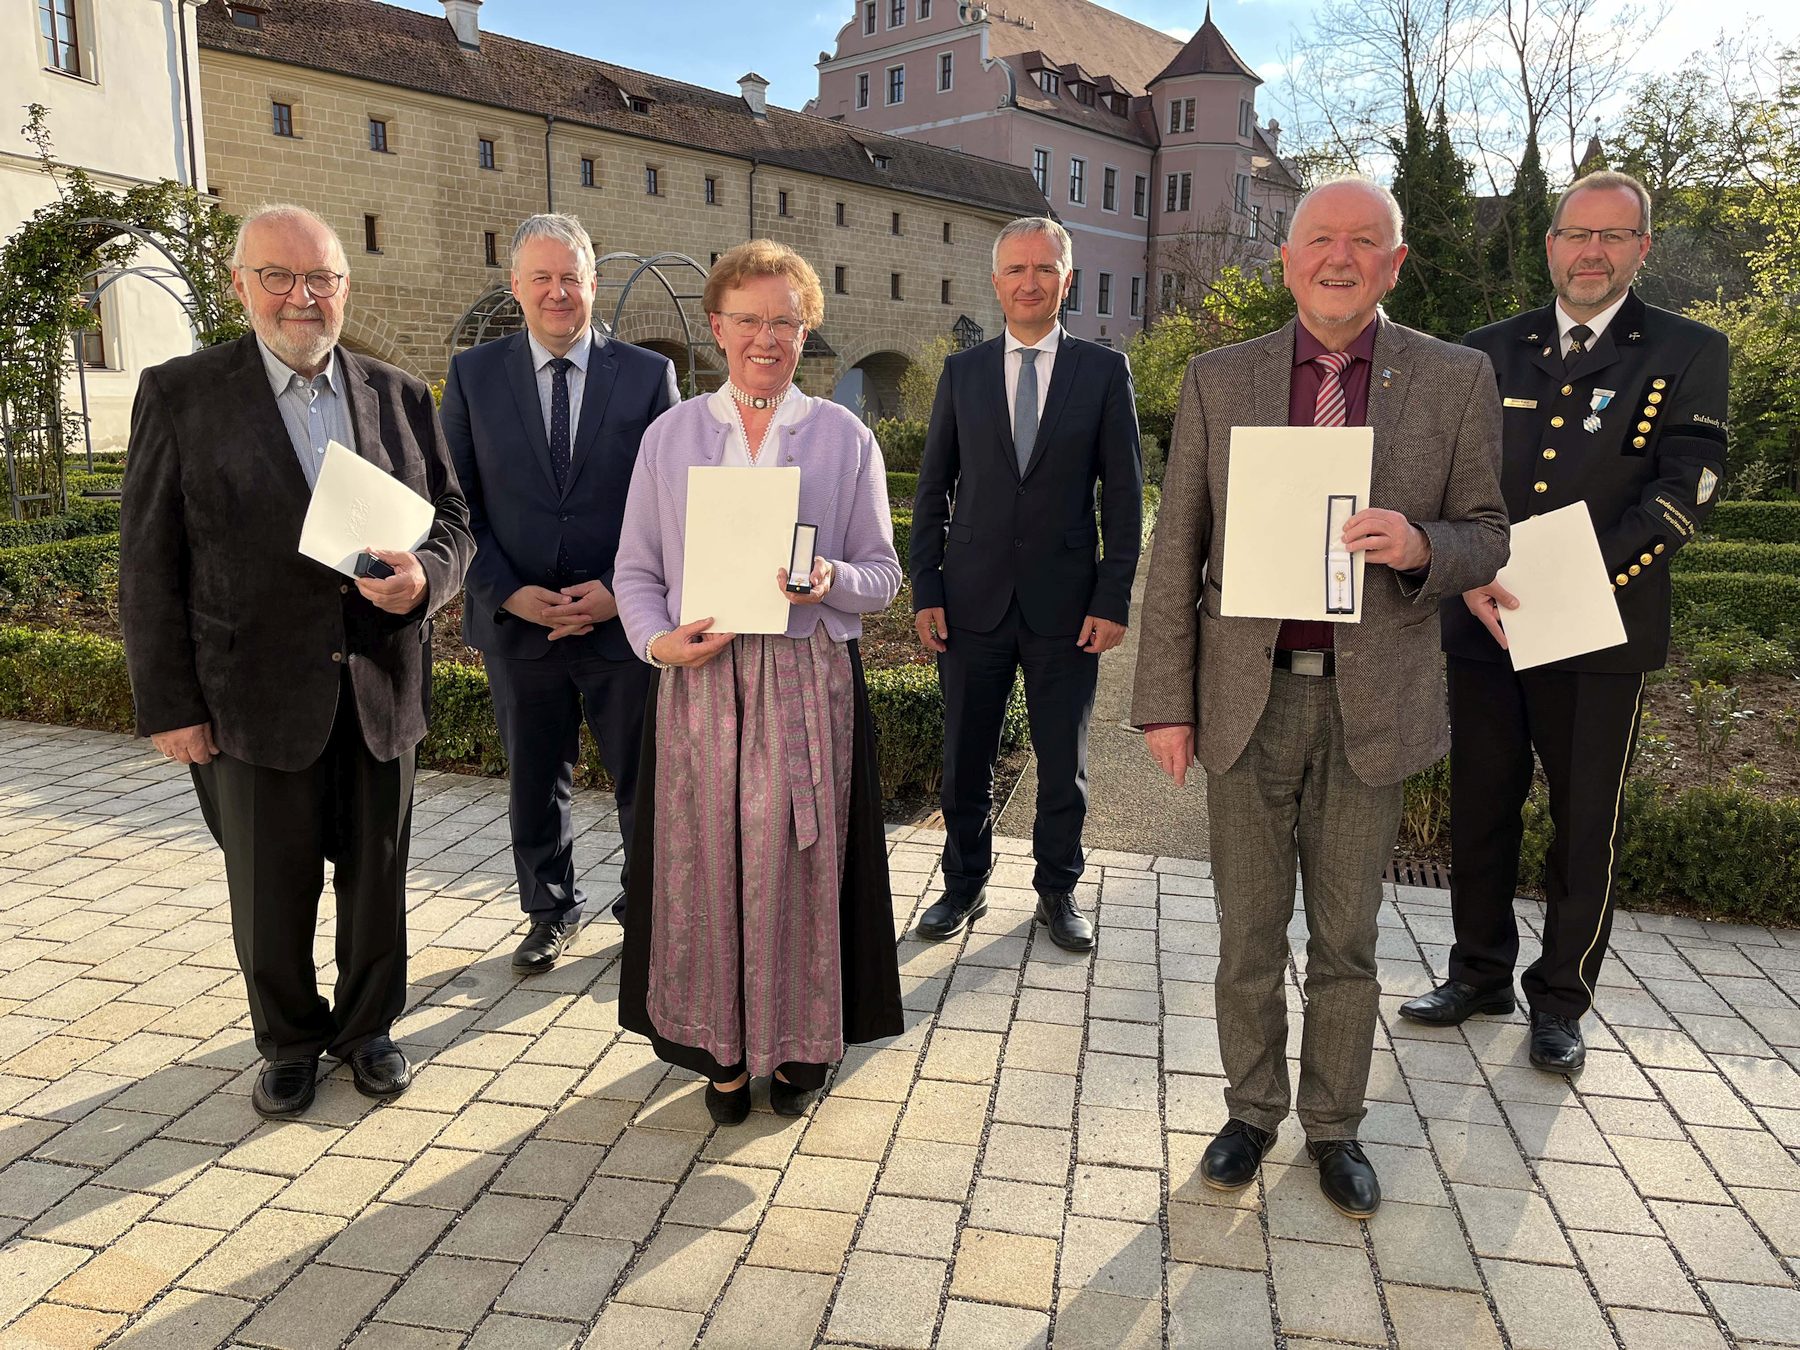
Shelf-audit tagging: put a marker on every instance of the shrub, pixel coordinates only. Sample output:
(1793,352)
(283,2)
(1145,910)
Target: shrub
(902,444)
(903,490)
(1756,522)
(70,679)
(1725,654)
(81,519)
(1732,555)
(37,573)
(1760,602)
(1425,817)
(902,536)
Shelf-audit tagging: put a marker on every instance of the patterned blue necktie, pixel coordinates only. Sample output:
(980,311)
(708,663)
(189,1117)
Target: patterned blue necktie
(559,419)
(1025,409)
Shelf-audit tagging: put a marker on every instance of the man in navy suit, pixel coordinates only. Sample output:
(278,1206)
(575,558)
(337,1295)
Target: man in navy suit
(1004,568)
(544,427)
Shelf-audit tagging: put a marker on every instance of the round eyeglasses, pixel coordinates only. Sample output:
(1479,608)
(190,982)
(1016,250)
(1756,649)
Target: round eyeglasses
(321,285)
(784,328)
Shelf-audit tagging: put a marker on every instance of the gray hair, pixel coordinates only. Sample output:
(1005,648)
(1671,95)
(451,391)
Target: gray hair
(286,211)
(1038,225)
(563,229)
(1604,180)
(1395,217)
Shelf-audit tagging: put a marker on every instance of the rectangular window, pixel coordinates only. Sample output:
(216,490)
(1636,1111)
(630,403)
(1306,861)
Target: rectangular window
(840,283)
(946,231)
(1173,192)
(895,229)
(1137,297)
(893,285)
(924,10)
(1073,304)
(1246,118)
(1240,194)
(896,84)
(712,194)
(485,153)
(868,18)
(944,291)
(90,343)
(1168,290)
(1174,114)
(1077,180)
(371,234)
(1255,221)
(781,201)
(862,90)
(1040,170)
(1280,225)
(896,13)
(946,71)
(652,181)
(1049,81)
(1187,191)
(1140,195)
(840,213)
(283,114)
(1187,121)
(490,248)
(378,135)
(587,172)
(1103,303)
(1109,189)
(62,45)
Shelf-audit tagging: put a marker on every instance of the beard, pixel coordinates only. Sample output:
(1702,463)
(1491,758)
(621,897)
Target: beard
(296,346)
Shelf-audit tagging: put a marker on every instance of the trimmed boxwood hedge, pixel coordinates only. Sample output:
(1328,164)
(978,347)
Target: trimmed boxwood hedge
(1756,522)
(1733,555)
(74,679)
(903,490)
(36,573)
(1762,602)
(81,519)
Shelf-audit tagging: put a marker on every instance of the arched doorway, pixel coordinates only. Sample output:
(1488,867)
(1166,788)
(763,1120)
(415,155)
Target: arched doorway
(871,387)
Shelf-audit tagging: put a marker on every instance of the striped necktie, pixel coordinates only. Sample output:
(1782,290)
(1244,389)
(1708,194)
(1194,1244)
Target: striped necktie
(1330,408)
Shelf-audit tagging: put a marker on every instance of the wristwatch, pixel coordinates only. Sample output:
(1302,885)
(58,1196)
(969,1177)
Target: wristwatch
(650,656)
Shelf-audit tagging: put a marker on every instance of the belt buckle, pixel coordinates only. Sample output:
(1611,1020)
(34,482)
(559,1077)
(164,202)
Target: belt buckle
(1307,663)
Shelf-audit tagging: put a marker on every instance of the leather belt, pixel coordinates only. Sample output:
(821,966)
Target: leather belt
(1318,664)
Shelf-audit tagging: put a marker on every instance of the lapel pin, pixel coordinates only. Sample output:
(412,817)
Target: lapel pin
(1634,335)
(1546,351)
(1387,378)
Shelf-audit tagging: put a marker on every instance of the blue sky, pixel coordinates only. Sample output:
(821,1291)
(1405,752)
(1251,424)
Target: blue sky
(712,42)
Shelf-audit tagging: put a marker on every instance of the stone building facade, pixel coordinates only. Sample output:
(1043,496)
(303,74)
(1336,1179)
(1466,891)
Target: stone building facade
(424,141)
(1149,149)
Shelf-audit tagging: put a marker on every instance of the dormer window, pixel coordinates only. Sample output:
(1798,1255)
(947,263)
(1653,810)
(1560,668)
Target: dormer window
(1049,81)
(638,105)
(1084,93)
(879,161)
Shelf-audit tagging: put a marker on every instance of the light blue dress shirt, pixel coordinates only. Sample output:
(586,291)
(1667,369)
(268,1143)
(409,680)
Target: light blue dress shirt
(541,357)
(316,411)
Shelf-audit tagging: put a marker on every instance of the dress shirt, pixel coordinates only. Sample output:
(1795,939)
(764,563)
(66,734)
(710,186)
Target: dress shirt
(1598,323)
(1047,345)
(1303,393)
(315,412)
(541,357)
(792,408)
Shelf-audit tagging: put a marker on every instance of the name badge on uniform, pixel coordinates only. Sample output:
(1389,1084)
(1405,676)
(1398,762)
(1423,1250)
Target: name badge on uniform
(1597,405)
(1518,403)
(1340,575)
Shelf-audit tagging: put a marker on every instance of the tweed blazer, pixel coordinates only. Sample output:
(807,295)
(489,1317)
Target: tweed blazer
(1435,411)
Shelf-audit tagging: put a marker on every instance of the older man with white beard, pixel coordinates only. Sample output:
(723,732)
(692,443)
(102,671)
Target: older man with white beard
(296,698)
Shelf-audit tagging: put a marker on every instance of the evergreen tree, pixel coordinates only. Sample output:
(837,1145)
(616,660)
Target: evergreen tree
(1441,286)
(1521,272)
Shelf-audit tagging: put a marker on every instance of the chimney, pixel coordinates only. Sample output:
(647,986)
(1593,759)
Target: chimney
(755,90)
(464,19)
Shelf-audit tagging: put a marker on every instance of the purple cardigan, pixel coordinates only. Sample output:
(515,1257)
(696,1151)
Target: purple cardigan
(843,487)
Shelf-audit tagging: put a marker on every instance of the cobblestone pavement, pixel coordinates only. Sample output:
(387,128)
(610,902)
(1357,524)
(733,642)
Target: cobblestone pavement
(1020,1165)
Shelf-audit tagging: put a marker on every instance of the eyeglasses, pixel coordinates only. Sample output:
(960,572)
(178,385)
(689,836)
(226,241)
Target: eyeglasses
(320,285)
(1610,238)
(784,328)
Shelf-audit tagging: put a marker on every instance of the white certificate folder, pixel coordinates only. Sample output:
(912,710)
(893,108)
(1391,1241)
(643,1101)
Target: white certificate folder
(1284,557)
(357,506)
(1566,601)
(740,527)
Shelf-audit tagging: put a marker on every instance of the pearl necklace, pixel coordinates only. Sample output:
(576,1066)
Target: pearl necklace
(739,401)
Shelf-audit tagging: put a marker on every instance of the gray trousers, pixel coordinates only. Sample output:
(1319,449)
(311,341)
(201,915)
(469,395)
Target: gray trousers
(1292,791)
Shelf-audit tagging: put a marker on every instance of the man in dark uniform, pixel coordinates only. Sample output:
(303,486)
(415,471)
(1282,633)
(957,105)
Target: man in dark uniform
(1610,402)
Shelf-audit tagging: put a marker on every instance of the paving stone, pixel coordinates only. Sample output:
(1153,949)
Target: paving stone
(849,1127)
(618,1207)
(1089,1320)
(1777,1213)
(929,1170)
(1482,1155)
(719,1195)
(683,1268)
(803,1239)
(652,1155)
(51,1326)
(1717,1242)
(827,1183)
(185,1319)
(337,1185)
(319,1309)
(1755,1312)
(1028,1097)
(566,1277)
(1024,1153)
(503,1331)
(888,1300)
(220,1197)
(1017,1207)
(387,1238)
(1440,1317)
(442,1177)
(1517,1225)
(624,1327)
(1544,1308)
(909,1227)
(1216,1235)
(449,1293)
(28,1188)
(92,1216)
(1600,1198)
(501,1227)
(1422,1244)
(1640,1329)
(1116,1193)
(1634,1270)
(29,1270)
(982,1326)
(1112,1257)
(769,1310)
(1212,1309)
(1325,1291)
(255,1259)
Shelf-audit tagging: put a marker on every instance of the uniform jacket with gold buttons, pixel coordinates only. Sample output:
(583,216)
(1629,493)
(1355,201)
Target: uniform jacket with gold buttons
(1635,428)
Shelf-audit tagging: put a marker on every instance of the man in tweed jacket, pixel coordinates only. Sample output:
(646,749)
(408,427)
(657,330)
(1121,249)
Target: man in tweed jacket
(1306,732)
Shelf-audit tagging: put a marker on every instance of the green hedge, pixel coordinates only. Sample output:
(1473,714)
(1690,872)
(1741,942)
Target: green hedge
(76,680)
(902,535)
(1763,603)
(36,573)
(1756,522)
(902,444)
(903,490)
(1734,555)
(81,519)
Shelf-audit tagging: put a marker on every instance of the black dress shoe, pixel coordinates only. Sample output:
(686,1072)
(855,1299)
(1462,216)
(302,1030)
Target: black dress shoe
(1556,1042)
(380,1068)
(951,915)
(787,1100)
(1069,927)
(1347,1177)
(1455,1001)
(285,1087)
(542,945)
(1231,1160)
(728,1108)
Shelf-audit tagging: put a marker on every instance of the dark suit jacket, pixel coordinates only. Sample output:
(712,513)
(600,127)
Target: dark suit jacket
(495,426)
(983,533)
(224,620)
(1649,474)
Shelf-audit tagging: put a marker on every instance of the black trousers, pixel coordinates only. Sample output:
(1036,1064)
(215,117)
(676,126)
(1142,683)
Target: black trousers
(539,707)
(976,675)
(277,829)
(1583,727)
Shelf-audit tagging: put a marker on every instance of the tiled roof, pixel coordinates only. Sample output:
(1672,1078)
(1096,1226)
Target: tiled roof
(1207,53)
(367,40)
(1131,52)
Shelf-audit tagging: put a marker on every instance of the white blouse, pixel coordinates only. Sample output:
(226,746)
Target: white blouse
(793,406)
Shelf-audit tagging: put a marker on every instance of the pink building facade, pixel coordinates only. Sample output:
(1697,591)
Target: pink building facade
(1149,150)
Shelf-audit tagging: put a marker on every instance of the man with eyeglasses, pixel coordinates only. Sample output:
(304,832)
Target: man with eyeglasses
(544,426)
(1621,406)
(296,696)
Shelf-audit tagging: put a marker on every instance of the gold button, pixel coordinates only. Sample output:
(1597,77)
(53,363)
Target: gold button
(1656,398)
(337,656)
(1540,487)
(1633,569)
(1645,559)
(1659,384)
(1659,548)
(1643,426)
(1621,579)
(1638,442)
(1568,389)
(1549,454)
(1556,421)
(1650,410)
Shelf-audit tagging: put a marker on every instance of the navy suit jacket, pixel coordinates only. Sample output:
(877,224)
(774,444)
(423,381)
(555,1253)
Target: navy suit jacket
(983,532)
(494,423)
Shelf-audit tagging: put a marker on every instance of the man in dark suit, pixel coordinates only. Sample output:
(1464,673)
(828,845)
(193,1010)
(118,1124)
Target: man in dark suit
(1005,573)
(1622,406)
(297,696)
(544,427)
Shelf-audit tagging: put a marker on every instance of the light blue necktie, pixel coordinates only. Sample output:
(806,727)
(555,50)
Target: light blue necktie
(1025,409)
